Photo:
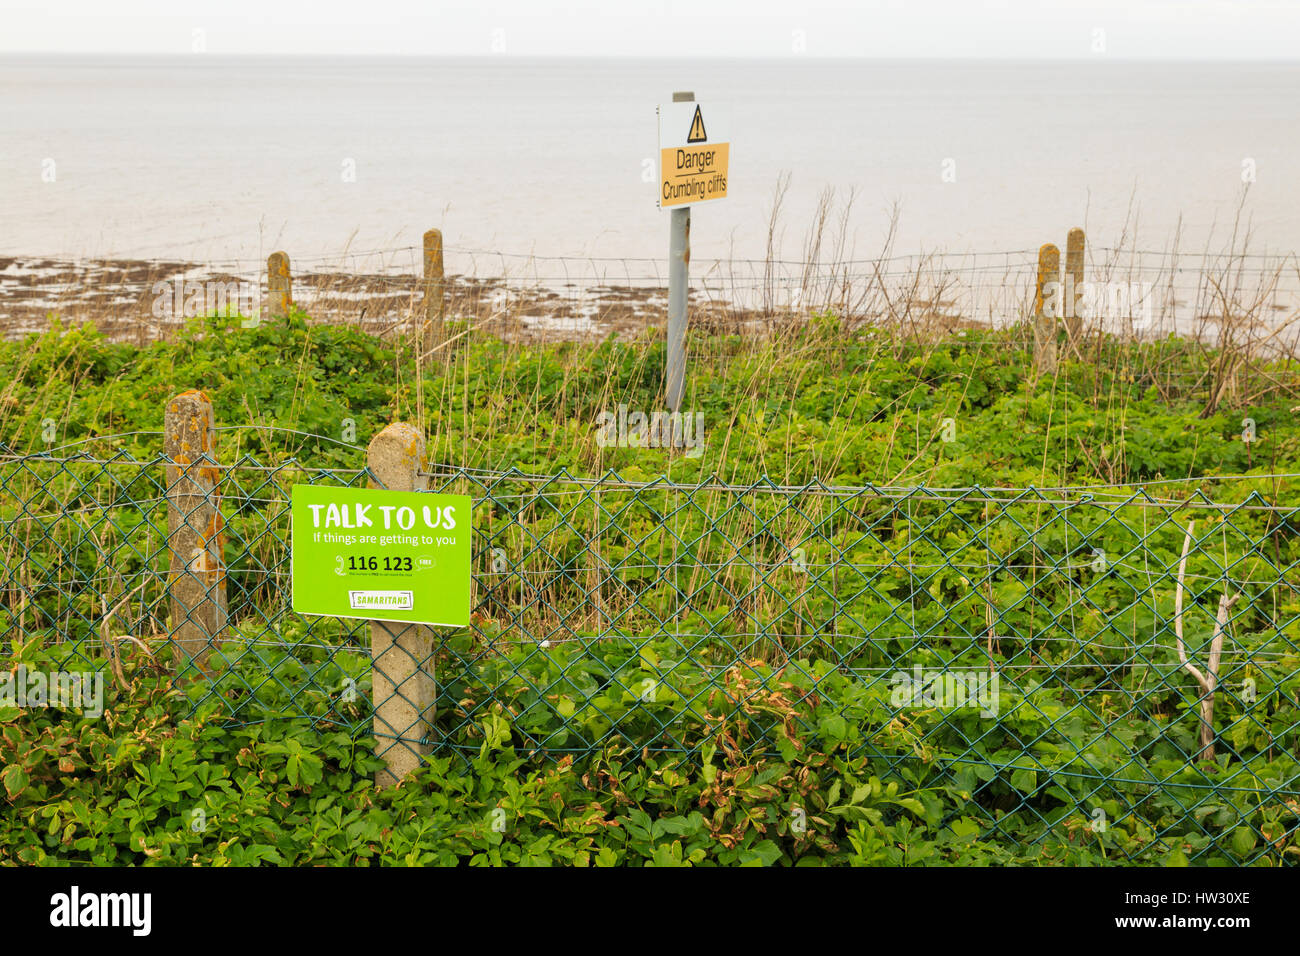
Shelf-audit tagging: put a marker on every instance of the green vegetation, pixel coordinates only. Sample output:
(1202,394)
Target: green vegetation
(811,403)
(771,735)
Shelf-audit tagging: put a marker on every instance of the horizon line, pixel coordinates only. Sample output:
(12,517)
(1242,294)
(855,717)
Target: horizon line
(1072,58)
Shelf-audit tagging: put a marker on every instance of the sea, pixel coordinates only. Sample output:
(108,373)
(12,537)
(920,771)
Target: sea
(213,158)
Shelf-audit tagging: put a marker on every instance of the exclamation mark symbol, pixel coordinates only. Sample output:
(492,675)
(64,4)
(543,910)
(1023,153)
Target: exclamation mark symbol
(697,134)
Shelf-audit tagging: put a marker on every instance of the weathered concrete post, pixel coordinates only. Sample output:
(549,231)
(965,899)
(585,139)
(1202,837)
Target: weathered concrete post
(1074,244)
(434,291)
(402,676)
(1049,271)
(279,286)
(197,575)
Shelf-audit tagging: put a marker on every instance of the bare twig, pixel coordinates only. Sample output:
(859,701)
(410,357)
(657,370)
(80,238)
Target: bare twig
(1208,682)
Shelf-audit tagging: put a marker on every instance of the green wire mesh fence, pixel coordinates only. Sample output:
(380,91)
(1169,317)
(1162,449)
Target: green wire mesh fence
(1124,659)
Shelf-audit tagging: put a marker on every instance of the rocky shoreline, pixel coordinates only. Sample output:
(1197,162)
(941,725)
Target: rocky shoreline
(142,300)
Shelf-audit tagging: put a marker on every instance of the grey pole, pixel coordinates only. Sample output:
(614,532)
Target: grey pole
(679,263)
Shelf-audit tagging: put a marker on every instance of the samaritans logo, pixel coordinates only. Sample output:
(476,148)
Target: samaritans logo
(394,600)
(946,690)
(65,690)
(75,909)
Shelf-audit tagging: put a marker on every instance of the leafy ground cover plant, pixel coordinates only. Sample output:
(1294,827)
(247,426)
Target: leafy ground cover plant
(788,747)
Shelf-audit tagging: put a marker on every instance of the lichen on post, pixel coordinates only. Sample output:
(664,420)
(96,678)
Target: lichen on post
(1049,272)
(402,677)
(434,292)
(1074,247)
(196,580)
(279,286)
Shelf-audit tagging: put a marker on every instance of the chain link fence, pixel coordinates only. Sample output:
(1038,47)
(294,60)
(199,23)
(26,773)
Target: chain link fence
(1121,659)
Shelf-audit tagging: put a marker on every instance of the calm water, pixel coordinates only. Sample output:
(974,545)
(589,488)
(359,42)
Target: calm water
(215,158)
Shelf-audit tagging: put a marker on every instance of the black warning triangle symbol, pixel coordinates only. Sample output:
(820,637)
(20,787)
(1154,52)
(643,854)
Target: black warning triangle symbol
(697,134)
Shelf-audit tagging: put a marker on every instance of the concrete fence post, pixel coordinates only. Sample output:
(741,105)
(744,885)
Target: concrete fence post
(435,289)
(1074,245)
(279,286)
(196,580)
(402,681)
(1049,271)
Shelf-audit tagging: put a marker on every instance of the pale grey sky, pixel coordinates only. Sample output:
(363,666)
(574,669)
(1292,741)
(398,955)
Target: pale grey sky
(1193,29)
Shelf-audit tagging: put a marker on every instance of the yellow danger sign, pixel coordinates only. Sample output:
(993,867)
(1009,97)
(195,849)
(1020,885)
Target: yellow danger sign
(693,174)
(693,166)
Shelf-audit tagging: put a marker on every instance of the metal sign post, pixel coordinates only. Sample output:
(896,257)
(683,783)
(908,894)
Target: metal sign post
(692,168)
(679,277)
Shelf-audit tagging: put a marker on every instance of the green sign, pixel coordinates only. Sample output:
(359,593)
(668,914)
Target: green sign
(380,555)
